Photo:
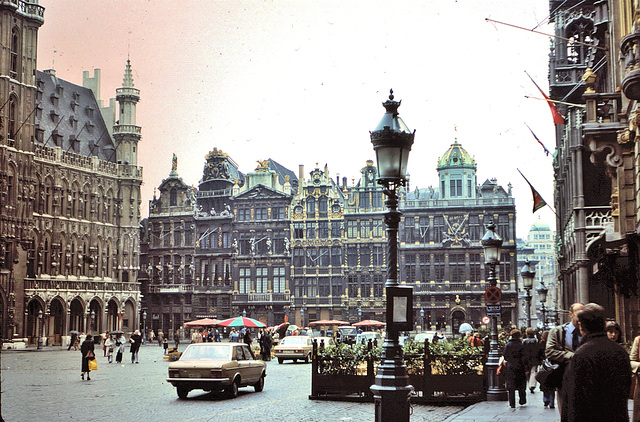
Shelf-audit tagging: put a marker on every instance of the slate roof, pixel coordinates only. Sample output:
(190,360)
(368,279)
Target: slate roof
(69,117)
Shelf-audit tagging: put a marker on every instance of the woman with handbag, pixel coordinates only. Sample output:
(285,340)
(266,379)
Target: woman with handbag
(87,350)
(548,392)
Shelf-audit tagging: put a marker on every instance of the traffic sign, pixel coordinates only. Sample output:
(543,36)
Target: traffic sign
(486,320)
(494,309)
(493,294)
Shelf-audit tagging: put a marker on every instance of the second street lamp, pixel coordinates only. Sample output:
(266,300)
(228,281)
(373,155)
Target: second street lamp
(542,294)
(528,275)
(492,244)
(392,141)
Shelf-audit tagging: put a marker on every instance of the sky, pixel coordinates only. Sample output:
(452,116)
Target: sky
(302,82)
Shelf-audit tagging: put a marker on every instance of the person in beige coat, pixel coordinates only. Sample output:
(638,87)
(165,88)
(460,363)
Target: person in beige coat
(560,344)
(635,364)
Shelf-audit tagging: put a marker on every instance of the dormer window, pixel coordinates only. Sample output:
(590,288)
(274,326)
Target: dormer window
(54,116)
(54,99)
(59,89)
(73,122)
(89,111)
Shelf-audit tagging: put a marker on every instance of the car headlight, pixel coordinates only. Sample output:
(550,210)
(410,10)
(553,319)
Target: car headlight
(216,373)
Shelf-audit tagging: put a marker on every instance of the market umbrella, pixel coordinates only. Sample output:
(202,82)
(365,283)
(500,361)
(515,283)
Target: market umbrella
(369,323)
(116,332)
(465,328)
(204,322)
(329,322)
(74,332)
(241,322)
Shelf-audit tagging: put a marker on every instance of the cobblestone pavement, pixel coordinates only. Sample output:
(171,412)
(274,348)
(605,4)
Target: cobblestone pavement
(46,386)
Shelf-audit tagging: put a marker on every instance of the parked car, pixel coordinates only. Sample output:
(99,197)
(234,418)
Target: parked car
(428,335)
(328,341)
(216,367)
(293,348)
(346,334)
(369,335)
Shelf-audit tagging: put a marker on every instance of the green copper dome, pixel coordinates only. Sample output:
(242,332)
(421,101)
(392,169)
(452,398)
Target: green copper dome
(456,156)
(540,226)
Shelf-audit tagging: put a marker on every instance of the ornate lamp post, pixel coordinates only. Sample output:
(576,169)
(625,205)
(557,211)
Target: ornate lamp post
(392,141)
(302,317)
(40,329)
(244,313)
(93,320)
(144,326)
(528,275)
(492,244)
(422,319)
(359,314)
(542,294)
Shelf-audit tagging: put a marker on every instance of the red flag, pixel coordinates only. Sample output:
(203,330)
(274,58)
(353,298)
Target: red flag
(557,117)
(538,202)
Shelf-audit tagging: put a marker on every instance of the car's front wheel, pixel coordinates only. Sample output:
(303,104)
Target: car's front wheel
(306,359)
(182,392)
(259,386)
(232,390)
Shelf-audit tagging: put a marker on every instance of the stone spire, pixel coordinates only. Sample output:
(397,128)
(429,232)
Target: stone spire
(127,81)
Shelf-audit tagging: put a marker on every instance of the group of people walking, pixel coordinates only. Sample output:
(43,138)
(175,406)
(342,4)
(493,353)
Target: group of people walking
(110,343)
(584,363)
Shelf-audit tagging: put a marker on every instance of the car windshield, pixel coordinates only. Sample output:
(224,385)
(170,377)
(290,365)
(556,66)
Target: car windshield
(206,352)
(293,340)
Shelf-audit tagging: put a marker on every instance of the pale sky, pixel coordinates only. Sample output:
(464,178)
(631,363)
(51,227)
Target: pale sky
(302,82)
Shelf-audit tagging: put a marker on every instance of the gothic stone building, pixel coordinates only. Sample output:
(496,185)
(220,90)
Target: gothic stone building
(70,197)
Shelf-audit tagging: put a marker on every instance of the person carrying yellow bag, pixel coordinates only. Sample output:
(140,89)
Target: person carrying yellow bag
(88,355)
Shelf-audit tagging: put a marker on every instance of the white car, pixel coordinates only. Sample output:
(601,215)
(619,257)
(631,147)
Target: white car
(369,335)
(428,335)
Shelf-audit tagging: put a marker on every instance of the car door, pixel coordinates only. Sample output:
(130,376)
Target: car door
(251,368)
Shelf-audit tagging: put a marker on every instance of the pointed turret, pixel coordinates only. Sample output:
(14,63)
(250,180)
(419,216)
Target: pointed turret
(126,133)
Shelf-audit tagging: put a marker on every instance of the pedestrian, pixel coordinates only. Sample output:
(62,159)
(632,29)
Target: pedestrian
(515,369)
(614,332)
(73,342)
(165,344)
(176,339)
(597,380)
(216,336)
(561,344)
(120,344)
(635,366)
(548,392)
(104,344)
(531,357)
(109,342)
(247,338)
(233,337)
(160,338)
(87,351)
(136,342)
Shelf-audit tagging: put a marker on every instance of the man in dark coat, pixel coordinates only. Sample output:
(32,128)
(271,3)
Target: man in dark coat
(136,342)
(597,381)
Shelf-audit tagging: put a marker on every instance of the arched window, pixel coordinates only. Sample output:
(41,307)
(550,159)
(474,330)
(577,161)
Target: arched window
(15,54)
(12,118)
(323,206)
(579,35)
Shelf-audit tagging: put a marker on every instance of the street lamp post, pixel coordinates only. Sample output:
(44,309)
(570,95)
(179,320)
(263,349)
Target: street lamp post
(422,319)
(302,317)
(492,244)
(244,313)
(144,326)
(542,294)
(392,141)
(93,320)
(528,275)
(359,314)
(40,314)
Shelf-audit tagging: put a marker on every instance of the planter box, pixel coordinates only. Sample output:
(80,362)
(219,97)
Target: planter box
(347,387)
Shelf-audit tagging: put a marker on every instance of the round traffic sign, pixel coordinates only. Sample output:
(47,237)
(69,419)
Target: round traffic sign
(493,294)
(486,320)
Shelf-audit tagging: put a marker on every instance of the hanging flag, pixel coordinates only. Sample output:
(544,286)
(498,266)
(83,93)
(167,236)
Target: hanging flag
(557,117)
(546,151)
(538,202)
